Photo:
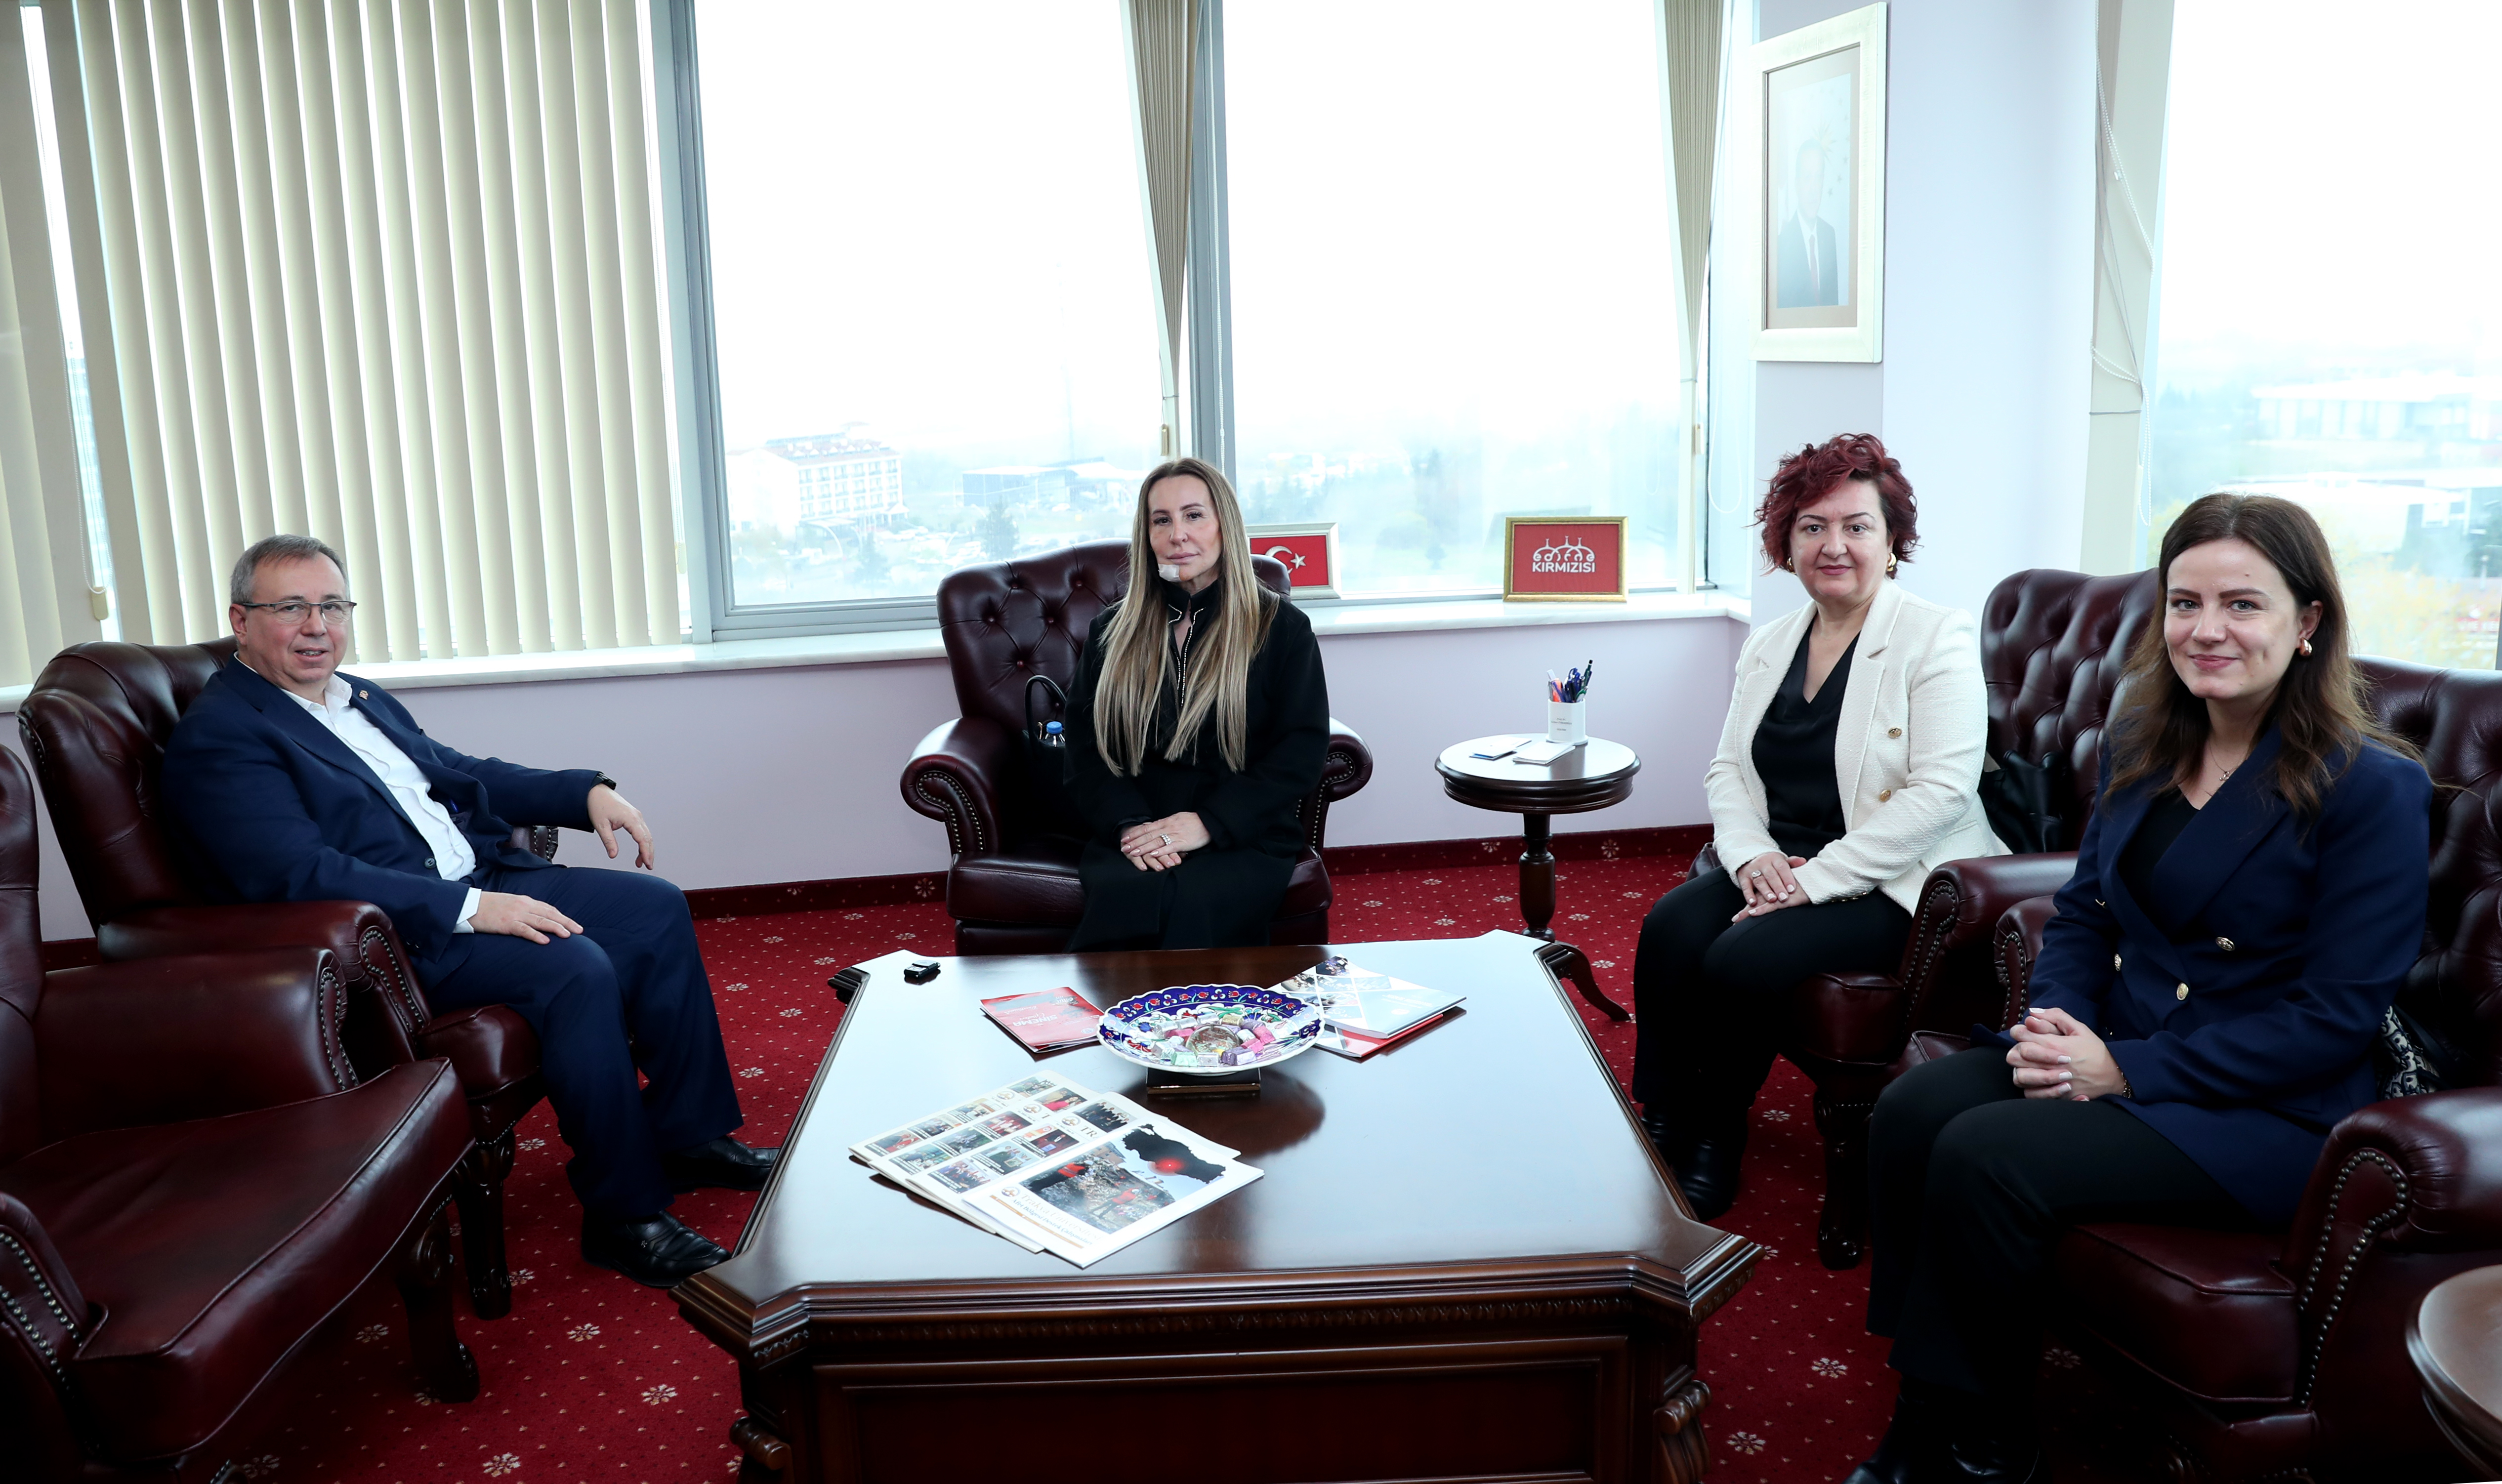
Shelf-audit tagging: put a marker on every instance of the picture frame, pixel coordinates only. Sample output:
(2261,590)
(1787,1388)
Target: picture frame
(1308,549)
(1564,560)
(1806,123)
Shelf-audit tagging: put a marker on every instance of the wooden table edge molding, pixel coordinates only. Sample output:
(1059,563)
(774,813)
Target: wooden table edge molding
(1215,1303)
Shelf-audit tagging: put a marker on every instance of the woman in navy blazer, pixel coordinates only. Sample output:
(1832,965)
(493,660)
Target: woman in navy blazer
(2247,897)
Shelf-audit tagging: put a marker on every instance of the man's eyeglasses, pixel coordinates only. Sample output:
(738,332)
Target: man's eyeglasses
(335,611)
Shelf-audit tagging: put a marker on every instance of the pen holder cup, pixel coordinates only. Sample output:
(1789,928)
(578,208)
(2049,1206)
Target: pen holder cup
(1567,722)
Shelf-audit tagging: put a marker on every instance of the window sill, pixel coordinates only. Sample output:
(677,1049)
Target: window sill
(891,645)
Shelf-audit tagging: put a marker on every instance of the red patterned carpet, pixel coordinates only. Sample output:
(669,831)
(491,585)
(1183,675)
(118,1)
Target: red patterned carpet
(594,1378)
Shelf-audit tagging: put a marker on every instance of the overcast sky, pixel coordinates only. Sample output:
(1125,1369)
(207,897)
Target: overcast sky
(2331,181)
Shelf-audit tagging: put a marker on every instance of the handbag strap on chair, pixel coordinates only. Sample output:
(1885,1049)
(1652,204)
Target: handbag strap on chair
(1059,697)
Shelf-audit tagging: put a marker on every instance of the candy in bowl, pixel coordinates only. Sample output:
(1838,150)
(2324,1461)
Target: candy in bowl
(1209,1029)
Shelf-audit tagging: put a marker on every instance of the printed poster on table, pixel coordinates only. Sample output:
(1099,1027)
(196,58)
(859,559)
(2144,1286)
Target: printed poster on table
(1056,1168)
(1563,559)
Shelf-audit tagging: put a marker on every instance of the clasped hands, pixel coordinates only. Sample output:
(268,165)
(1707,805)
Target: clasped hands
(526,917)
(1157,845)
(1767,885)
(2056,1056)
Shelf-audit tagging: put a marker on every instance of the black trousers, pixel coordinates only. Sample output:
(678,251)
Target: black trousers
(1215,898)
(1972,1186)
(626,994)
(1710,994)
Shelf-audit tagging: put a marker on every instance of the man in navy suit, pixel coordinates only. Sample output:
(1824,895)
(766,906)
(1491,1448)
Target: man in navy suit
(1810,269)
(300,784)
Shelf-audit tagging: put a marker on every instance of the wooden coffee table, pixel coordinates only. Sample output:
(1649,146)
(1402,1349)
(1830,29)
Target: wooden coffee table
(2455,1341)
(1463,1262)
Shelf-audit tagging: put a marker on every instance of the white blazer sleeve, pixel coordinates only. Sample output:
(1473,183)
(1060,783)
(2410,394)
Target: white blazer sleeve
(1947,717)
(1739,831)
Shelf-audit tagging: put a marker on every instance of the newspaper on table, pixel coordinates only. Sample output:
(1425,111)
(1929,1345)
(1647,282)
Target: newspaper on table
(1054,1166)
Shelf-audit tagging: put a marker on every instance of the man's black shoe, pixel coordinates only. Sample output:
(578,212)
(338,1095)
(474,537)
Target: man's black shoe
(724,1165)
(656,1251)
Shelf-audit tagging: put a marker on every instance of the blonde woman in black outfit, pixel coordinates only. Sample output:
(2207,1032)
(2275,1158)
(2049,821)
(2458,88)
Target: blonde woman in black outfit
(1200,716)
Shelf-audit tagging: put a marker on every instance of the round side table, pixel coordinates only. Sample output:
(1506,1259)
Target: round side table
(2455,1340)
(1591,776)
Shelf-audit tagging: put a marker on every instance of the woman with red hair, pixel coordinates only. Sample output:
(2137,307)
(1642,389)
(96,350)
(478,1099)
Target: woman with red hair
(1850,765)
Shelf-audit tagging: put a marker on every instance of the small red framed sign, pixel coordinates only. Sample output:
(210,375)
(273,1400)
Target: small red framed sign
(1563,559)
(1309,553)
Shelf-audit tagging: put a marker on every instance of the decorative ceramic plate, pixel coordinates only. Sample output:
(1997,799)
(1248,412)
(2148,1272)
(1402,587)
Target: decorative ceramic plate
(1209,1029)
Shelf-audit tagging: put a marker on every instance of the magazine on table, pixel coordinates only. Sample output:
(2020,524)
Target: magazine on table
(1056,1168)
(1046,1020)
(1369,1011)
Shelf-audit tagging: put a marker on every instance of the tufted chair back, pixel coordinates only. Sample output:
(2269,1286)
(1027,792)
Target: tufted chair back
(96,723)
(2053,645)
(1006,622)
(2455,718)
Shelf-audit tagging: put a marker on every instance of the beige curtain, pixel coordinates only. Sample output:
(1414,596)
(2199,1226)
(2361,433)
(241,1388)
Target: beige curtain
(383,272)
(1163,39)
(1690,70)
(43,587)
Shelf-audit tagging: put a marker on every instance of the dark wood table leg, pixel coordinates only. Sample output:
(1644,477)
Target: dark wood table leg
(1567,962)
(1537,877)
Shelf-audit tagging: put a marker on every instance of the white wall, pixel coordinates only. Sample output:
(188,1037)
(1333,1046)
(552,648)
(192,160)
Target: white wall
(1989,199)
(765,775)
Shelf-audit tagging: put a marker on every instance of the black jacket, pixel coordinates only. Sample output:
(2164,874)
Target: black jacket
(1286,738)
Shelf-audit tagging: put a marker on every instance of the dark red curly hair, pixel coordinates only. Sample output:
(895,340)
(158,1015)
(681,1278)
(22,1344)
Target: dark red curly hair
(1805,477)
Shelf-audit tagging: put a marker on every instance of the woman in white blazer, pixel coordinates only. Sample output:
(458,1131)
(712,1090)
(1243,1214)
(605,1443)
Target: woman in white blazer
(1849,766)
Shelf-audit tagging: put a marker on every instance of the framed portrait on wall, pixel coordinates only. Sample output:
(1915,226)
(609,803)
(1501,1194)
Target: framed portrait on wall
(1807,143)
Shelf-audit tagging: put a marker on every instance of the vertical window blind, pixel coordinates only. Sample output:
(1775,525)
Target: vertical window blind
(384,273)
(43,587)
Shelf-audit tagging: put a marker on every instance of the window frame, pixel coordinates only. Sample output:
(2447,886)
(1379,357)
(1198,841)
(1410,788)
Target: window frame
(714,613)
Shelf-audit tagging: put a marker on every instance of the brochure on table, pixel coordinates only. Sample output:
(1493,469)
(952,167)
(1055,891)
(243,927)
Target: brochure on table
(1058,1168)
(1369,1011)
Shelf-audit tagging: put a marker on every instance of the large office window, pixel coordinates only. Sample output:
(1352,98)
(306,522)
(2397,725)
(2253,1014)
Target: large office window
(933,307)
(1446,266)
(2325,323)
(1452,277)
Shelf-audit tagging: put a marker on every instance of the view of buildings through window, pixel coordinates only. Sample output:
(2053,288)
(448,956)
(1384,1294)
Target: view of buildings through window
(930,287)
(1453,292)
(2326,329)
(1450,256)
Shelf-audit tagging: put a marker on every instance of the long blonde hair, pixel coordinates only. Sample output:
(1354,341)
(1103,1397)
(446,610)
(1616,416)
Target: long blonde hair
(1138,648)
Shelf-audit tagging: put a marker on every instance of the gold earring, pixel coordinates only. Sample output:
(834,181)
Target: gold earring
(1891,562)
(1789,563)
(2305,649)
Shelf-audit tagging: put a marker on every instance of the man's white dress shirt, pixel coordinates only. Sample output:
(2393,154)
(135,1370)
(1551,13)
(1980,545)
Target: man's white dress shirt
(453,855)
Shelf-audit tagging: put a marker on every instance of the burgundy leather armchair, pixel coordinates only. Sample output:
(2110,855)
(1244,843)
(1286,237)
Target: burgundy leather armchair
(96,723)
(1013,887)
(2283,1355)
(193,1179)
(2053,645)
